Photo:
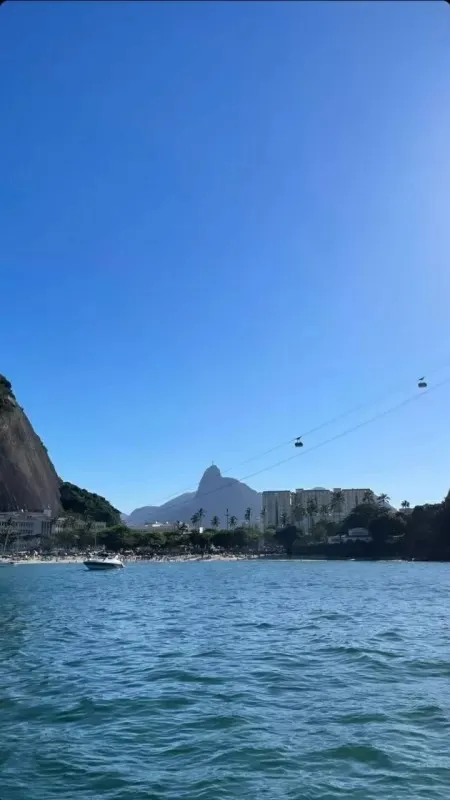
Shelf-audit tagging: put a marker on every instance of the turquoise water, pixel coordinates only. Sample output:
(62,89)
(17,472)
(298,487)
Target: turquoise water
(222,681)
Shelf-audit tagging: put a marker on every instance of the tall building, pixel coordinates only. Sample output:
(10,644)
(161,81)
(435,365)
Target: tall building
(324,500)
(275,506)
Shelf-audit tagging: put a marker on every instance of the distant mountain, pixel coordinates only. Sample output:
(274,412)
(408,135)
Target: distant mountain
(215,493)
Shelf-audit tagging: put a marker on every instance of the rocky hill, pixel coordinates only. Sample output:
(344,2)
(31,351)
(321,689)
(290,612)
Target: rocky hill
(216,494)
(27,476)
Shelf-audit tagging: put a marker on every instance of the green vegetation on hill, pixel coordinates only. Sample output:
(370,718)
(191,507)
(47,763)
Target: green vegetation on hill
(86,504)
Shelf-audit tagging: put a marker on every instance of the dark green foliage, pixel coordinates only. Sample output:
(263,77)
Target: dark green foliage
(117,538)
(286,537)
(88,504)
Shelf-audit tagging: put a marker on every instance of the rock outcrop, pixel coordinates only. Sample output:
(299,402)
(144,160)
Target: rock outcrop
(28,479)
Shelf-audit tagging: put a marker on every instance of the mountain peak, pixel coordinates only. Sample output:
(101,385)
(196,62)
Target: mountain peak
(218,495)
(210,480)
(212,472)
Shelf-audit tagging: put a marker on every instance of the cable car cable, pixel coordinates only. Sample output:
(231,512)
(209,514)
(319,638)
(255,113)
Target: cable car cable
(342,434)
(360,407)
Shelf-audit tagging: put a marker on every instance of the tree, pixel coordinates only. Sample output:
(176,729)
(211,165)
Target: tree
(337,502)
(70,523)
(114,538)
(286,537)
(224,539)
(383,499)
(324,509)
(215,522)
(195,519)
(383,527)
(405,504)
(299,513)
(248,515)
(263,518)
(368,497)
(284,519)
(86,536)
(201,516)
(154,539)
(311,510)
(319,531)
(200,540)
(233,522)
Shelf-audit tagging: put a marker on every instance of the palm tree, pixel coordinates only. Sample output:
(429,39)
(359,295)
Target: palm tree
(368,497)
(406,504)
(215,522)
(284,519)
(201,516)
(383,499)
(263,515)
(337,502)
(195,520)
(299,513)
(248,515)
(182,527)
(233,522)
(87,533)
(311,510)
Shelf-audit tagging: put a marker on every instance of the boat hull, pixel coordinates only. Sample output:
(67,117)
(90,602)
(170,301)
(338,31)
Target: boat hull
(101,566)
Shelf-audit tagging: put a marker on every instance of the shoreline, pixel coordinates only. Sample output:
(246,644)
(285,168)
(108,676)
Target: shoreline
(191,558)
(162,560)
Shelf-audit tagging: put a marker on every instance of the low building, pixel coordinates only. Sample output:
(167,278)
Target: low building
(357,535)
(21,530)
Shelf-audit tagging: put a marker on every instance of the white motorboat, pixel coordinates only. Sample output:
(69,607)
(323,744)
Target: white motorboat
(102,563)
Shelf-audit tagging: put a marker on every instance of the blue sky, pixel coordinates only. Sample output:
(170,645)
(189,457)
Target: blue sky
(223,224)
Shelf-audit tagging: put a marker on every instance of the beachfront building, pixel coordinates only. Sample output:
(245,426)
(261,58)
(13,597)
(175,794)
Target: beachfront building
(20,530)
(276,505)
(70,523)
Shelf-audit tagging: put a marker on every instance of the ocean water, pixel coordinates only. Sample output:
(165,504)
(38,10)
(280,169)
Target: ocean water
(222,681)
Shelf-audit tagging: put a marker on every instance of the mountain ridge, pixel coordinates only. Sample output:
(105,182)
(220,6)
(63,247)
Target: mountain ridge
(216,494)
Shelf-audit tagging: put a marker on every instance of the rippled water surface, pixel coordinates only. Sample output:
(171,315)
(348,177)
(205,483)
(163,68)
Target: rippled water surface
(218,681)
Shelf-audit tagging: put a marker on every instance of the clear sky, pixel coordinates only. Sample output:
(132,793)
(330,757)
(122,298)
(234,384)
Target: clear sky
(222,224)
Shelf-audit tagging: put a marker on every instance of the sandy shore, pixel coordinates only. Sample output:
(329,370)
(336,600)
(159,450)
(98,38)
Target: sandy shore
(161,560)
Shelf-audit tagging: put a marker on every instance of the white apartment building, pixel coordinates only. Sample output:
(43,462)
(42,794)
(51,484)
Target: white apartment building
(24,528)
(275,505)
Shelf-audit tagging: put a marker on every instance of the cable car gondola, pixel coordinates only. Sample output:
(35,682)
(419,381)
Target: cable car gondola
(298,442)
(422,384)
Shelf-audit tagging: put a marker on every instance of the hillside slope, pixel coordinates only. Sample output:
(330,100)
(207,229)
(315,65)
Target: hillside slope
(28,478)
